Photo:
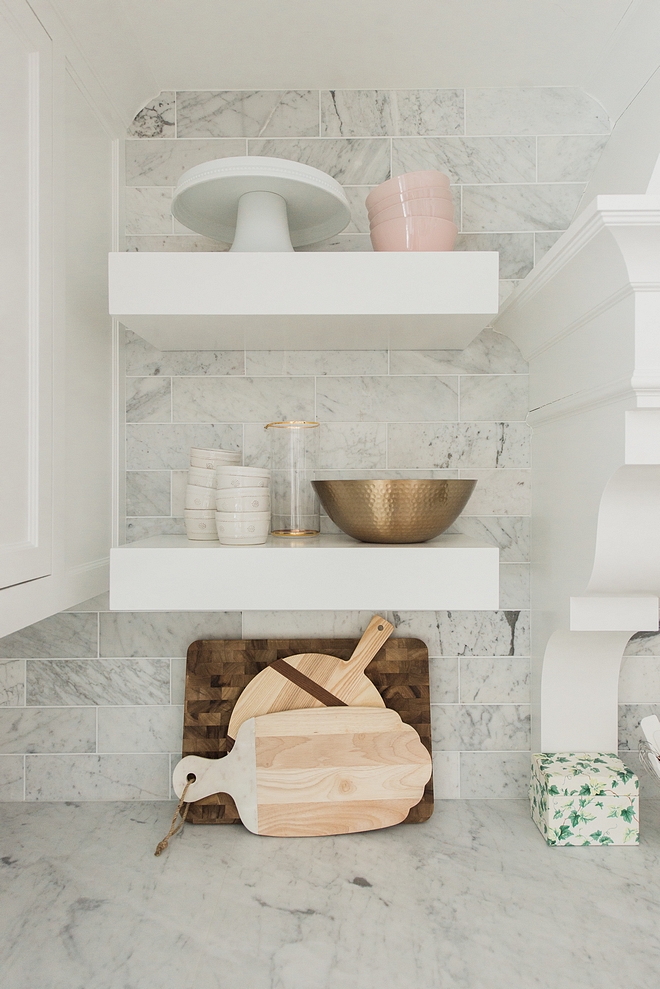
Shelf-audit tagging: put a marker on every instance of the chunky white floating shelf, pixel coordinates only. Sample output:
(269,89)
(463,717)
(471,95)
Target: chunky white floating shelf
(325,573)
(292,301)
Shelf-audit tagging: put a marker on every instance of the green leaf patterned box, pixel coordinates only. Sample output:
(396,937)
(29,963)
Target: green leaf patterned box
(584,798)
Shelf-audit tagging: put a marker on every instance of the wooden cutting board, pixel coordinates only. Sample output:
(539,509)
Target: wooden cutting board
(316,771)
(219,669)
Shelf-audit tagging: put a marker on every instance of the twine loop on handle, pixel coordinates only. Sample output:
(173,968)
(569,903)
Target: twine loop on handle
(174,827)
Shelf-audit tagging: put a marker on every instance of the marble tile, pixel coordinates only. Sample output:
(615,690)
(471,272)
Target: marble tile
(164,162)
(256,445)
(543,242)
(156,119)
(514,586)
(177,681)
(443,679)
(305,624)
(494,681)
(447,444)
(97,603)
(494,775)
(179,485)
(155,633)
(173,242)
(643,644)
(148,400)
(489,353)
(511,534)
(12,683)
(467,633)
(147,492)
(499,492)
(534,110)
(398,399)
(248,113)
(505,288)
(11,777)
(97,777)
(493,396)
(356,196)
(316,362)
(143,359)
(384,112)
(242,399)
(516,251)
(142,527)
(481,727)
(140,729)
(150,446)
(649,793)
(64,634)
(569,158)
(353,444)
(468,159)
(520,207)
(49,729)
(148,210)
(351,161)
(446,775)
(342,242)
(639,680)
(95,682)
(630,716)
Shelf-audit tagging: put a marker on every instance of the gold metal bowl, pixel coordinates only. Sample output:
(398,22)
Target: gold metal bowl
(402,511)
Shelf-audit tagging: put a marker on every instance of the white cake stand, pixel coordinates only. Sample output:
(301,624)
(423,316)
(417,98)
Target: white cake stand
(260,204)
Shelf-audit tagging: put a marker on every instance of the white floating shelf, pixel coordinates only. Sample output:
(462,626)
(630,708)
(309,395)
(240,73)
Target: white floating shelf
(285,301)
(325,573)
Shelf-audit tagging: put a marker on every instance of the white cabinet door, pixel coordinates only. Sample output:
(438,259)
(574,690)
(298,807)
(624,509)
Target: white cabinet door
(25,295)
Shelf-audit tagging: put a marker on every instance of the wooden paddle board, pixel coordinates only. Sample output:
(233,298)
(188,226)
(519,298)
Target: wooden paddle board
(312,680)
(321,771)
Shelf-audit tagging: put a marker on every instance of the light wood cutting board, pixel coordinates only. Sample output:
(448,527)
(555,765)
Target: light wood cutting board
(316,771)
(313,680)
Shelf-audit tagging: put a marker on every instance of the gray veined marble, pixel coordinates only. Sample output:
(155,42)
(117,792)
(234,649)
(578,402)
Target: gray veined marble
(494,396)
(151,163)
(639,680)
(630,716)
(147,492)
(141,527)
(494,775)
(505,680)
(148,210)
(468,159)
(97,777)
(238,399)
(467,633)
(481,727)
(353,444)
(511,534)
(155,446)
(520,207)
(514,586)
(352,161)
(12,682)
(155,633)
(534,110)
(447,444)
(156,119)
(140,729)
(143,359)
(174,243)
(543,242)
(64,634)
(248,113)
(383,398)
(489,353)
(443,679)
(499,492)
(644,644)
(384,112)
(356,196)
(50,729)
(148,400)
(571,158)
(516,251)
(75,682)
(11,777)
(315,362)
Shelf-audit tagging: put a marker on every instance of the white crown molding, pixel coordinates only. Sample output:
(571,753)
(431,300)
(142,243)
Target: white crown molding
(583,401)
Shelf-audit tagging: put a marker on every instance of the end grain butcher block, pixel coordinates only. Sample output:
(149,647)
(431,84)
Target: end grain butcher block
(316,771)
(219,670)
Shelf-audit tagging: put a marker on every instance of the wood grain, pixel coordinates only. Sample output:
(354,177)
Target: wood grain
(218,670)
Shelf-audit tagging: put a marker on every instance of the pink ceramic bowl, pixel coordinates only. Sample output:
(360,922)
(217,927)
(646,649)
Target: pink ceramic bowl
(414,233)
(434,192)
(418,207)
(402,183)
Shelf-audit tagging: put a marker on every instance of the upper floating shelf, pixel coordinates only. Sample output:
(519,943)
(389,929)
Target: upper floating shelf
(292,301)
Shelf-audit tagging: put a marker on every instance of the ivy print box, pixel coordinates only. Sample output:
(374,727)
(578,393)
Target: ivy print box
(584,798)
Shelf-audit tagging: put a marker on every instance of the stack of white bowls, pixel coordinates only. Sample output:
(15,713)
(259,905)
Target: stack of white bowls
(243,505)
(199,511)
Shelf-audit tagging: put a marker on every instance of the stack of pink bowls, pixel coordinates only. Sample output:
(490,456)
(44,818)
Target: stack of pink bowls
(412,212)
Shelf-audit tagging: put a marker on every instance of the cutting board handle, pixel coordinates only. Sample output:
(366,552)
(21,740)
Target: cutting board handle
(375,635)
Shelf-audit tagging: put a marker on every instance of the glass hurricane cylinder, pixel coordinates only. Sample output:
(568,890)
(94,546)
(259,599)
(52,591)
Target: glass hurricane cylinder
(294,450)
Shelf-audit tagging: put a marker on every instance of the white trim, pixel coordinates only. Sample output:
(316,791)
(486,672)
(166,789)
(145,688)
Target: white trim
(582,401)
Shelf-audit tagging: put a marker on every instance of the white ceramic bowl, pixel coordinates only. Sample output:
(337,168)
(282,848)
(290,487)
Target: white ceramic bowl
(204,453)
(409,180)
(203,477)
(418,207)
(409,196)
(201,528)
(242,477)
(213,462)
(243,530)
(243,500)
(198,513)
(199,497)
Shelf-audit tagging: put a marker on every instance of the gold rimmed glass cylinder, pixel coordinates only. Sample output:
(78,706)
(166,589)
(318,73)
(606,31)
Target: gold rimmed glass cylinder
(294,448)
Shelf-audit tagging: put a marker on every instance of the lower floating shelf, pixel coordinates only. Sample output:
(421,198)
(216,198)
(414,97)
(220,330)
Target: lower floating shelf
(323,573)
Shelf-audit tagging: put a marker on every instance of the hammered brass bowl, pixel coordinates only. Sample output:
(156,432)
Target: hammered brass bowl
(401,511)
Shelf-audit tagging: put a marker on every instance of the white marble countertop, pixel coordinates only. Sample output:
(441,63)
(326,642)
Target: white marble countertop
(471,900)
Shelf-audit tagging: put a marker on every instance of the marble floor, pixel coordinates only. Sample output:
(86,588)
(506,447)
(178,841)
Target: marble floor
(473,899)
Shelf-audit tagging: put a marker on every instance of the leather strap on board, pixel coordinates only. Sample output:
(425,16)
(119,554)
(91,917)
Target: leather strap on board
(310,686)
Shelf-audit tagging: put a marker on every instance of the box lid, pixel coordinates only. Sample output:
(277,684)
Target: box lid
(585,772)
